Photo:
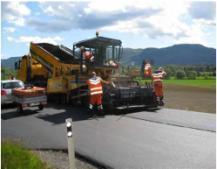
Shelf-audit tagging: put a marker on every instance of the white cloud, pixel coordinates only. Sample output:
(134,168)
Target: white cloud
(15,12)
(204,22)
(165,23)
(10,39)
(36,39)
(153,19)
(91,14)
(194,36)
(9,29)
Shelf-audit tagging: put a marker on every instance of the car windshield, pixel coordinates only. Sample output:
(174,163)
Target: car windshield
(12,85)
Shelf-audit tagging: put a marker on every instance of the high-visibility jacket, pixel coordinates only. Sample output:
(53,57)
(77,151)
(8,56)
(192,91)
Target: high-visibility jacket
(95,86)
(156,77)
(147,70)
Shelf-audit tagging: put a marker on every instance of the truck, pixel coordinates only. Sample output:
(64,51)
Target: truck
(64,72)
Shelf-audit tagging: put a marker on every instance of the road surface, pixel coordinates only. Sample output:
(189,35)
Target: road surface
(166,138)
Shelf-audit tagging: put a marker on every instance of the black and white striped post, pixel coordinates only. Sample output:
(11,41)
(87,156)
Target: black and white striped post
(71,148)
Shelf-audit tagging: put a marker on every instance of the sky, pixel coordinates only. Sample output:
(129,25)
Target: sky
(137,23)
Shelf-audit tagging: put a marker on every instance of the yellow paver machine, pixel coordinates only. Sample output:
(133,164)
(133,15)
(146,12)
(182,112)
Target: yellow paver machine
(64,73)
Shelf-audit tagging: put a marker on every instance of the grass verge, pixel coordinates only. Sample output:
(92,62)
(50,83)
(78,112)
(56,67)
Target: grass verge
(202,83)
(199,82)
(14,155)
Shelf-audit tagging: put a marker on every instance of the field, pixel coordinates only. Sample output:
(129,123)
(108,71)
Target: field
(196,95)
(199,82)
(201,99)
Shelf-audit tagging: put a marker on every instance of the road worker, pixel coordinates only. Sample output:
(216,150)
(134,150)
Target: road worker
(157,78)
(147,69)
(88,56)
(96,92)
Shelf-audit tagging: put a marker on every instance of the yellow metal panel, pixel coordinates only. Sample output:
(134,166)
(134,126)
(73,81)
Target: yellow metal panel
(22,72)
(71,82)
(57,85)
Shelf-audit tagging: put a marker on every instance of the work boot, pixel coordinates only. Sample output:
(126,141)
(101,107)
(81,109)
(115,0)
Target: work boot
(100,111)
(91,110)
(161,103)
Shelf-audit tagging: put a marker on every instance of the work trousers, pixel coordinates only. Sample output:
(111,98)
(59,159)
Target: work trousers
(95,100)
(158,88)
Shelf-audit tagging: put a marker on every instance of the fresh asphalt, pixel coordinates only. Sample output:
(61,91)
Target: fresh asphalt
(165,138)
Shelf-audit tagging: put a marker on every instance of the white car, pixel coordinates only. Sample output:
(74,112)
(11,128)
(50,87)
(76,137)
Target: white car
(6,89)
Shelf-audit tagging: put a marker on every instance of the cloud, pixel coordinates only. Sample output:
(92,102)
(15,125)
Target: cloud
(36,39)
(51,26)
(203,10)
(9,29)
(149,18)
(15,12)
(178,20)
(204,22)
(165,23)
(85,15)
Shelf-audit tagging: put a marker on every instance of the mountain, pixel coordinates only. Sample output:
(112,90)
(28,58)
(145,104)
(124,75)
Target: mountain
(9,63)
(181,54)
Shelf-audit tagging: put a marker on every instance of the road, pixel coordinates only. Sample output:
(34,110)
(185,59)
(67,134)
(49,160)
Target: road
(165,138)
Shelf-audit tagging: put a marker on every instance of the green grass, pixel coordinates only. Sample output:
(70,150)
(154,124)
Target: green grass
(15,156)
(209,83)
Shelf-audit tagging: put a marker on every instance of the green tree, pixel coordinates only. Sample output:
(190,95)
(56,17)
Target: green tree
(180,74)
(191,74)
(169,72)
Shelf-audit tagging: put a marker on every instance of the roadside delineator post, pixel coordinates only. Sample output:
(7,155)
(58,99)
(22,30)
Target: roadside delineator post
(71,147)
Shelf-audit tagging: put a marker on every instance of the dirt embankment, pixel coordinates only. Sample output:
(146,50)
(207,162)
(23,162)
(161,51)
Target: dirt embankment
(190,98)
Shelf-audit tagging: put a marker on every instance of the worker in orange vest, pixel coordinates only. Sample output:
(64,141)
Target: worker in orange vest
(96,92)
(157,78)
(147,69)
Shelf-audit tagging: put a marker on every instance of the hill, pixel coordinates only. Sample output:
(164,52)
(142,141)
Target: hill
(182,54)
(9,63)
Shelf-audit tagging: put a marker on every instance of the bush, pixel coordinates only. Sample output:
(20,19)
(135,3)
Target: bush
(191,74)
(180,74)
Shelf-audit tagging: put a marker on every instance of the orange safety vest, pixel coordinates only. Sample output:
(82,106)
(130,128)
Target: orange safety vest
(156,77)
(95,86)
(147,70)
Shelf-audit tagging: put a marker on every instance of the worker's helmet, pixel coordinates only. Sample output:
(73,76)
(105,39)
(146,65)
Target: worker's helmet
(160,69)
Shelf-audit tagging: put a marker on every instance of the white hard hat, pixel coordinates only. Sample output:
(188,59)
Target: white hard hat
(160,69)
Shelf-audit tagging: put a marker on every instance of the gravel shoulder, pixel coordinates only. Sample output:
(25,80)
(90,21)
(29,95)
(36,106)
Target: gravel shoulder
(60,160)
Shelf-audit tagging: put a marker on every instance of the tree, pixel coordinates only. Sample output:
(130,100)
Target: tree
(180,74)
(191,74)
(169,73)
